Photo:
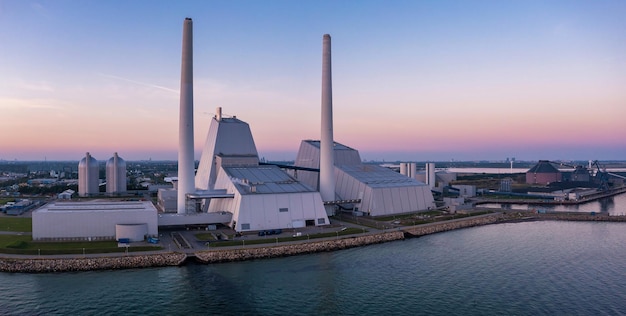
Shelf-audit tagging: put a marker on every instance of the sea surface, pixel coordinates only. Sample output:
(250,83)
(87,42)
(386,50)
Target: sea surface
(614,206)
(527,268)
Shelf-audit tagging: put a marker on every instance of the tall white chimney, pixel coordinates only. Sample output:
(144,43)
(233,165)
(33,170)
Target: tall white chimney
(185,131)
(327,158)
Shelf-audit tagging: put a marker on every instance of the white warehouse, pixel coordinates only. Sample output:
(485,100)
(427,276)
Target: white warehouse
(381,191)
(95,220)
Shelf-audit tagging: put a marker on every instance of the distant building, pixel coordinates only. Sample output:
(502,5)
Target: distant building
(580,174)
(506,185)
(66,195)
(543,173)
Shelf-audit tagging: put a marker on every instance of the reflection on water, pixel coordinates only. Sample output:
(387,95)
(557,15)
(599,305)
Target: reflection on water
(614,205)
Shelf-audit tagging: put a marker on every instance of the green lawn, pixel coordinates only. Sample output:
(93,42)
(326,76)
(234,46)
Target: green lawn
(6,240)
(23,244)
(16,224)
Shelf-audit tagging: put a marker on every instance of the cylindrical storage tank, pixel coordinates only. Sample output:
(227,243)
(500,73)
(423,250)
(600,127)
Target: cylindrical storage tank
(403,169)
(88,177)
(430,174)
(116,175)
(412,170)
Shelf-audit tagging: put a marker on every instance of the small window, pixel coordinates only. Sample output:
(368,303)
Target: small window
(321,221)
(283,209)
(245,226)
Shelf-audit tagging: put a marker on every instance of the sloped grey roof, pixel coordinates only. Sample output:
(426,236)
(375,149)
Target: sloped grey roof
(543,166)
(264,179)
(379,177)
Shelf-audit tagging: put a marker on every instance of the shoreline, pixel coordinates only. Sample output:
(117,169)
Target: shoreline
(46,265)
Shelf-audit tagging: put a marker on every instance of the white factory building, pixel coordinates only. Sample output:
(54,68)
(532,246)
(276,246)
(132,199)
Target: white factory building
(95,220)
(380,191)
(263,196)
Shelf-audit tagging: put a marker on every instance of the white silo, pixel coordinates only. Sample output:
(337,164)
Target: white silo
(88,177)
(116,175)
(430,174)
(412,170)
(403,169)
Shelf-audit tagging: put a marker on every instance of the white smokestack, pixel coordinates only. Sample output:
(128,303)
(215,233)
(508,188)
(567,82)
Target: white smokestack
(218,113)
(327,158)
(185,132)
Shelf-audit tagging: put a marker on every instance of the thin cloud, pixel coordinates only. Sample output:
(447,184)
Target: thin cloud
(34,104)
(145,84)
(38,86)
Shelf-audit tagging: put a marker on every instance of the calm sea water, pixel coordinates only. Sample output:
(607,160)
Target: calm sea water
(615,205)
(532,268)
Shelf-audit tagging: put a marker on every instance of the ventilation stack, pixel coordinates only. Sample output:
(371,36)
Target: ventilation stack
(327,161)
(185,132)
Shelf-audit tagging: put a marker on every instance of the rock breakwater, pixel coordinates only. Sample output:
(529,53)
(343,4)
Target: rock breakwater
(93,263)
(417,231)
(295,249)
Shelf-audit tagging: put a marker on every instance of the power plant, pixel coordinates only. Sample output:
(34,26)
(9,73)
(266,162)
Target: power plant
(234,188)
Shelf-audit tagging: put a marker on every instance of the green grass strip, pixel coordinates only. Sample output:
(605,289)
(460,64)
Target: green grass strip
(16,224)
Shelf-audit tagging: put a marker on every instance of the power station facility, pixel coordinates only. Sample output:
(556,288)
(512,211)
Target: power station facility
(231,186)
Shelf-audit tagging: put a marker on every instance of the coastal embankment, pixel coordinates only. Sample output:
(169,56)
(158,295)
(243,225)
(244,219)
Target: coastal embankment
(296,249)
(92,263)
(421,230)
(47,264)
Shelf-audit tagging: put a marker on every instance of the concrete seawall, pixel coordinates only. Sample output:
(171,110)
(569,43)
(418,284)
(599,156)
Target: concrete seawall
(295,249)
(580,217)
(422,230)
(87,264)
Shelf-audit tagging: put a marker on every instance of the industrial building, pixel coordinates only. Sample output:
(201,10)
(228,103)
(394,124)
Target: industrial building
(95,220)
(259,197)
(543,173)
(231,186)
(376,190)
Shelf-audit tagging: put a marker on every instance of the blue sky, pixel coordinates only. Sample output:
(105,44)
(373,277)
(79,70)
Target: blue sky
(412,80)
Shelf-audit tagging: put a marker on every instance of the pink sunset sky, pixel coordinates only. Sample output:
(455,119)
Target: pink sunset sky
(412,80)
